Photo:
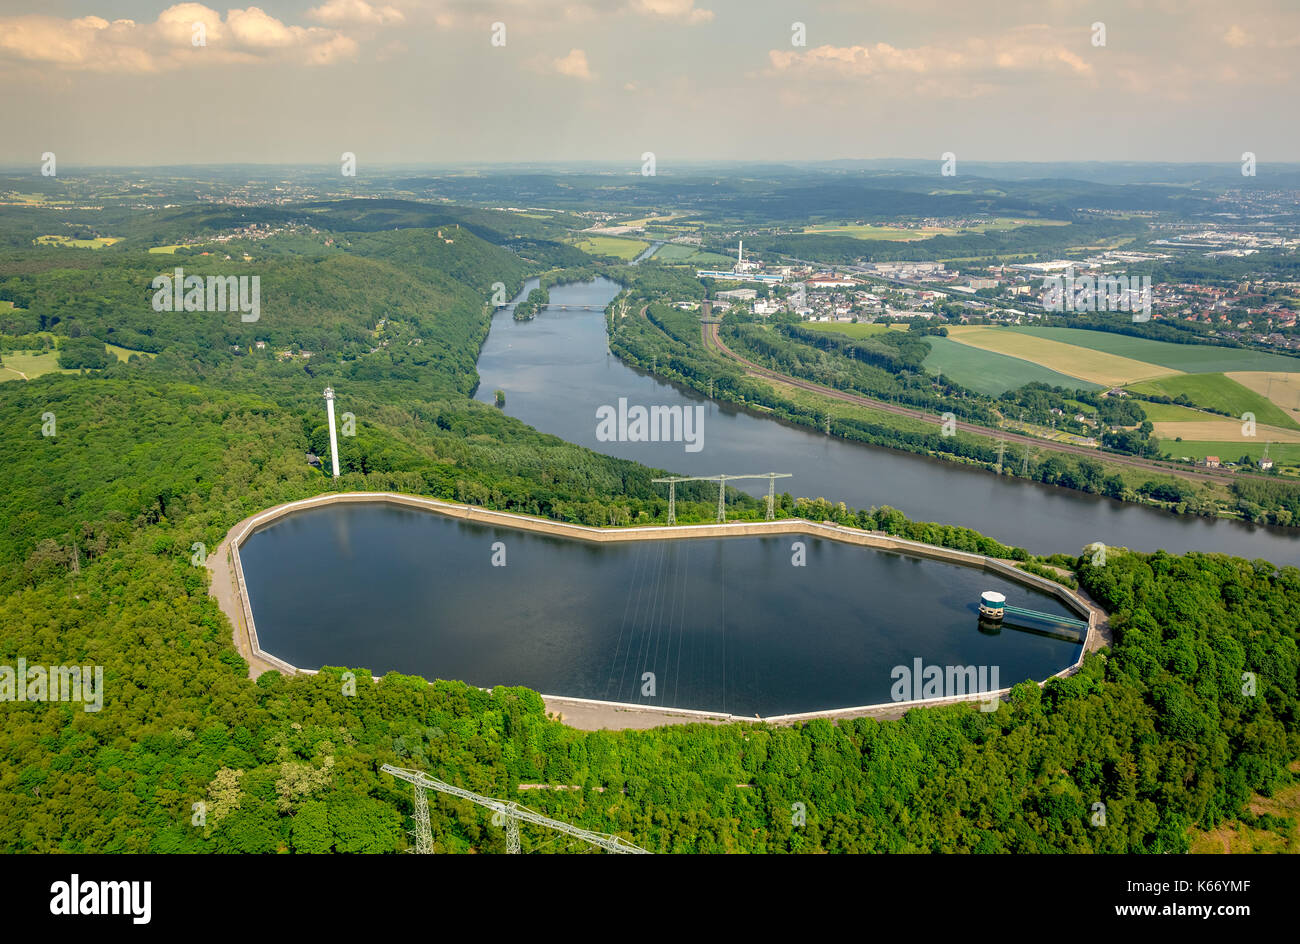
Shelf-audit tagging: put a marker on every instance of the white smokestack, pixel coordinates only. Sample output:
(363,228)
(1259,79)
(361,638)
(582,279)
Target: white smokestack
(740,252)
(334,438)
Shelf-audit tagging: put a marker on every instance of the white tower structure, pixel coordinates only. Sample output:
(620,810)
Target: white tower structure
(740,253)
(334,436)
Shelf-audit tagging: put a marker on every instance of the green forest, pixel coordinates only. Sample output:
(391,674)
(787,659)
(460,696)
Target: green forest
(1192,710)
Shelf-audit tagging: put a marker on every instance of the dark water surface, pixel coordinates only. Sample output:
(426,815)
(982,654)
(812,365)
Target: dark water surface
(556,371)
(726,624)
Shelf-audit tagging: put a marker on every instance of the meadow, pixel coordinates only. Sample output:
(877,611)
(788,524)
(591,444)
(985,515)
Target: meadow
(99,242)
(617,246)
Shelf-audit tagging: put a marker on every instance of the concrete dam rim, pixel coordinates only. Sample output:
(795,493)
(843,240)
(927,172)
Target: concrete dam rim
(228,572)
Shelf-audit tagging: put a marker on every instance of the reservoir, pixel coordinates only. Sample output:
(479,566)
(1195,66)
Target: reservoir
(557,371)
(723,624)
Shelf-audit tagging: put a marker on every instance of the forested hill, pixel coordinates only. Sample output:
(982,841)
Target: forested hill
(97,531)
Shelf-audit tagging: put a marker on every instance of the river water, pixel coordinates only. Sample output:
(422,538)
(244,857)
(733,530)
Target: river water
(557,371)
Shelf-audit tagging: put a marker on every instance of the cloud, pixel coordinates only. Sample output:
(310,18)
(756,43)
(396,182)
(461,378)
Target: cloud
(1236,37)
(684,10)
(356,12)
(955,66)
(244,37)
(574,65)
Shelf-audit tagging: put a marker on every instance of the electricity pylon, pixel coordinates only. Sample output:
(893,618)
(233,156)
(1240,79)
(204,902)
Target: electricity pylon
(506,813)
(722,481)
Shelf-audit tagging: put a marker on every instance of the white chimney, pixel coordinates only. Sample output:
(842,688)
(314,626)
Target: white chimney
(334,438)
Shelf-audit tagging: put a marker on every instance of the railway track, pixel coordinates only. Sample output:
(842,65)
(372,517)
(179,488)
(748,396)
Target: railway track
(715,343)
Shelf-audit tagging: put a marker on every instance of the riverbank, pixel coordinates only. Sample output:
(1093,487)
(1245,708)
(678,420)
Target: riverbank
(228,587)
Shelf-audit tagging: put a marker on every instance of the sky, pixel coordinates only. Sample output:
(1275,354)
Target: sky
(137,82)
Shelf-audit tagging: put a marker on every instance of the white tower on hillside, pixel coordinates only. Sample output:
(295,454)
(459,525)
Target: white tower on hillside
(334,438)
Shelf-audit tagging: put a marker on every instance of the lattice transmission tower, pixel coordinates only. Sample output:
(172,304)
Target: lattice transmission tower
(505,813)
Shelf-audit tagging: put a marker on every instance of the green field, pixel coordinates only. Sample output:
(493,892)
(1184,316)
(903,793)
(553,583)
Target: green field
(613,246)
(991,373)
(99,242)
(32,364)
(1282,453)
(858,330)
(123,353)
(1191,358)
(1173,413)
(672,253)
(1220,392)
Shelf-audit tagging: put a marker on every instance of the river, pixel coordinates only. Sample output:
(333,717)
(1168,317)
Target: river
(557,371)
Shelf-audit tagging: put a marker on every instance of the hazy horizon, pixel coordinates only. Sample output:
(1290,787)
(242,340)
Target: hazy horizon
(122,83)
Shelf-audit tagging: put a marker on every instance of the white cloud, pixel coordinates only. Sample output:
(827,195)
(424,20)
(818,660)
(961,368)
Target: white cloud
(91,43)
(684,10)
(356,12)
(1027,50)
(574,65)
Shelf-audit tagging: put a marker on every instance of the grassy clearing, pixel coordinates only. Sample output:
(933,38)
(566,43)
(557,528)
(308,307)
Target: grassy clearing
(1182,358)
(99,242)
(1220,392)
(1088,364)
(626,249)
(992,373)
(124,353)
(33,364)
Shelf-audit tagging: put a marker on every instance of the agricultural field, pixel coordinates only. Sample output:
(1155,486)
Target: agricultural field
(1089,364)
(1222,393)
(99,242)
(992,373)
(1282,389)
(1178,358)
(1223,430)
(617,246)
